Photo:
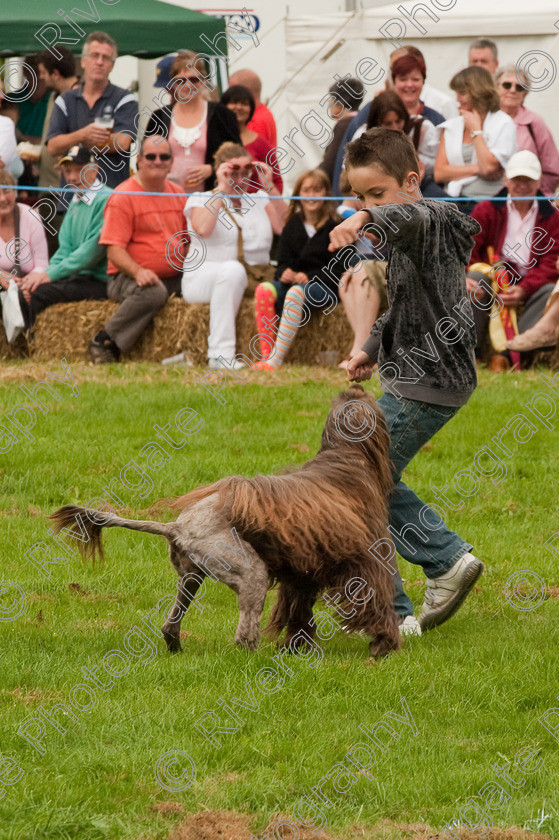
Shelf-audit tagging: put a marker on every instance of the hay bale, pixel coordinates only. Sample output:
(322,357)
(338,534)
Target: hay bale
(17,350)
(65,330)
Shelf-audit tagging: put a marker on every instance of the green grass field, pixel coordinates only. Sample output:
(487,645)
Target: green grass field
(474,687)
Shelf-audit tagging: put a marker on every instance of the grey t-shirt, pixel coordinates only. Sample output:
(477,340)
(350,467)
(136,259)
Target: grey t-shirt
(480,186)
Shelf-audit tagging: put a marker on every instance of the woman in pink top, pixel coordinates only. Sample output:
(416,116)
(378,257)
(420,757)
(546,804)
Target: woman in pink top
(33,252)
(532,132)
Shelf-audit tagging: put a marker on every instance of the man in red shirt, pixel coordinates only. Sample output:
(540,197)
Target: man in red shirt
(144,256)
(263,121)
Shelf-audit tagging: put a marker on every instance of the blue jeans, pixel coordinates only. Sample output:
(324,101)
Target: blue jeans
(419,534)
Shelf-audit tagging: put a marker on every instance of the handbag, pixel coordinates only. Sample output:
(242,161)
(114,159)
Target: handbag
(503,321)
(12,316)
(256,274)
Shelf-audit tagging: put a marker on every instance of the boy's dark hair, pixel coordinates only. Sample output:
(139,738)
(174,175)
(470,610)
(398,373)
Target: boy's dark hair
(392,151)
(241,94)
(66,65)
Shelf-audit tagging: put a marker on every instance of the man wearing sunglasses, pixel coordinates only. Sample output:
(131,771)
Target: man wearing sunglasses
(145,257)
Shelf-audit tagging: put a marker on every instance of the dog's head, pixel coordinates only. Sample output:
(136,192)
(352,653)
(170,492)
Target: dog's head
(356,421)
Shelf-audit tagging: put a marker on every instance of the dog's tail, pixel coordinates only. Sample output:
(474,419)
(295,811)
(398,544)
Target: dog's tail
(83,526)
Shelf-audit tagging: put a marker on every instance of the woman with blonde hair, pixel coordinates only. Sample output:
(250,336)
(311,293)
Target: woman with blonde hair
(195,127)
(476,146)
(301,284)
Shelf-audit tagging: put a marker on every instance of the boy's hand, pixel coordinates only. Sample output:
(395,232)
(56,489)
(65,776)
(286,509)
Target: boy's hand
(359,367)
(348,231)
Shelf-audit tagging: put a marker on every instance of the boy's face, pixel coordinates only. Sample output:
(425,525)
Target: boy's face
(373,187)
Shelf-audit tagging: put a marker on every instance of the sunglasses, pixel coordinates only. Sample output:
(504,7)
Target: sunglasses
(193,80)
(161,155)
(509,85)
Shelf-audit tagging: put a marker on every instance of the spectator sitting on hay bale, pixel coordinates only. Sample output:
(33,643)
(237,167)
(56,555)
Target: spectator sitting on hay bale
(18,223)
(306,277)
(78,269)
(237,236)
(529,231)
(544,332)
(140,232)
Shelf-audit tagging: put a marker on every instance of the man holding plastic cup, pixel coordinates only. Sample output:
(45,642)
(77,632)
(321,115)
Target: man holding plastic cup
(97,114)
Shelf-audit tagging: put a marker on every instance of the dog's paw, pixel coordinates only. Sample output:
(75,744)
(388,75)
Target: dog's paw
(249,644)
(381,647)
(172,642)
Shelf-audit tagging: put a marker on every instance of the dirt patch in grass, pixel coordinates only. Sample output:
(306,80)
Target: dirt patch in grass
(167,808)
(30,696)
(213,825)
(388,830)
(230,825)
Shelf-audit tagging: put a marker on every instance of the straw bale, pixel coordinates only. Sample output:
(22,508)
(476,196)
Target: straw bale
(65,330)
(16,350)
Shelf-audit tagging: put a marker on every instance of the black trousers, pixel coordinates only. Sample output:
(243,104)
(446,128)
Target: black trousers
(76,287)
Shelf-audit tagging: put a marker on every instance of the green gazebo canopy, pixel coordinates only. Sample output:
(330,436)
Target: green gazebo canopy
(143,28)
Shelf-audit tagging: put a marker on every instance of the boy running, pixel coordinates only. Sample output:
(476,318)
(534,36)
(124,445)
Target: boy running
(424,346)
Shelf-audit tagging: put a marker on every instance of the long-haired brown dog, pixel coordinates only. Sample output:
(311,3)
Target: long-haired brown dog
(307,530)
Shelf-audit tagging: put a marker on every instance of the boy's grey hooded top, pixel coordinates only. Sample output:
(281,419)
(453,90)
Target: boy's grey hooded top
(424,343)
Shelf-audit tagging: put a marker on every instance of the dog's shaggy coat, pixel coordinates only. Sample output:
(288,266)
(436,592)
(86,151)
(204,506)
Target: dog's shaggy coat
(308,530)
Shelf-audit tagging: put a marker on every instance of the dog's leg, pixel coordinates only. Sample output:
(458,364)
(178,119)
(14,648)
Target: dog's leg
(377,617)
(293,609)
(190,579)
(224,556)
(251,597)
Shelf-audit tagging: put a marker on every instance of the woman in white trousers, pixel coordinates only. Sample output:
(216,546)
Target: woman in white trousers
(216,276)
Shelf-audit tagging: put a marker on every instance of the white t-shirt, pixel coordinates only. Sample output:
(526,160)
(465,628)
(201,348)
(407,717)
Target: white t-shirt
(254,222)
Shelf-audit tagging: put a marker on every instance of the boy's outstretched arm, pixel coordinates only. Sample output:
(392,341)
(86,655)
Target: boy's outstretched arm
(348,231)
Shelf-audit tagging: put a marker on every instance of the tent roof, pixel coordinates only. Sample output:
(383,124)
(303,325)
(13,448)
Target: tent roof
(143,28)
(467,18)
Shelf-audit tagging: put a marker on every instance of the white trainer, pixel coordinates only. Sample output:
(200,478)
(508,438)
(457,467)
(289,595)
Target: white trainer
(410,626)
(445,594)
(234,364)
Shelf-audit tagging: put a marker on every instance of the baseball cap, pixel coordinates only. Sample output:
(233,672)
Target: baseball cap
(524,163)
(77,154)
(163,70)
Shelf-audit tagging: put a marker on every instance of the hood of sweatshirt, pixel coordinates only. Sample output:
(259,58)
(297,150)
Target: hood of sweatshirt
(458,227)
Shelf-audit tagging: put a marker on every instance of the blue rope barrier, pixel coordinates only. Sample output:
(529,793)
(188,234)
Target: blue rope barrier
(339,198)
